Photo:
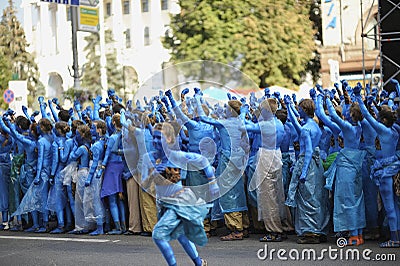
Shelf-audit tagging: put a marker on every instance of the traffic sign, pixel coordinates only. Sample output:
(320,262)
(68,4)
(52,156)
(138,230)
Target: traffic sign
(8,96)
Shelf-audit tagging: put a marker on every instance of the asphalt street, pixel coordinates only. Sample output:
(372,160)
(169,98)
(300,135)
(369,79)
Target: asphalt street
(45,249)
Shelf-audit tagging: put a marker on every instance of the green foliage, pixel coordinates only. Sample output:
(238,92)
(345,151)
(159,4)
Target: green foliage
(91,75)
(271,41)
(15,57)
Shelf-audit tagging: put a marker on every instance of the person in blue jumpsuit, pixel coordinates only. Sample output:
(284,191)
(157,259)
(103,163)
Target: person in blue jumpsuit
(93,181)
(180,212)
(349,207)
(113,166)
(306,190)
(57,200)
(387,164)
(35,199)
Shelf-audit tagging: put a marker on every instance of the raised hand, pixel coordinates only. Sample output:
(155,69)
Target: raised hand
(287,100)
(313,93)
(277,95)
(267,93)
(185,91)
(40,99)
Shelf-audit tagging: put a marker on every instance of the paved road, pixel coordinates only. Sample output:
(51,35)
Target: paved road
(46,249)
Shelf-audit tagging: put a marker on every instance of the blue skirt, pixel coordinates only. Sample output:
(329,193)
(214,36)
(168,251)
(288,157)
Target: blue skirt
(112,180)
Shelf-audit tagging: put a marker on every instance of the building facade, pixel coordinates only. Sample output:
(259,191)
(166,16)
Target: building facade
(137,27)
(342,42)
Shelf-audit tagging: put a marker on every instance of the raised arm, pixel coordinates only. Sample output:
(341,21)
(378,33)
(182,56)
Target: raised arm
(96,107)
(43,106)
(332,112)
(291,115)
(379,127)
(324,118)
(53,111)
(179,113)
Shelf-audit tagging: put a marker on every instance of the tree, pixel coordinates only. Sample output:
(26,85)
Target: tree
(271,41)
(91,75)
(13,47)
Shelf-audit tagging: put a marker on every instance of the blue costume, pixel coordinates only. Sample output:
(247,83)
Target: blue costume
(181,213)
(92,201)
(306,190)
(349,207)
(57,199)
(35,199)
(369,188)
(5,166)
(113,167)
(81,155)
(386,165)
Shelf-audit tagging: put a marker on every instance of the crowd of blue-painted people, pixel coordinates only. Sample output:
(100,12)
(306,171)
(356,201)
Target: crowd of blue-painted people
(171,168)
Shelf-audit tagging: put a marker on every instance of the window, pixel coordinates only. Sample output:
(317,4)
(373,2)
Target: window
(108,9)
(145,5)
(128,38)
(164,4)
(126,7)
(146,36)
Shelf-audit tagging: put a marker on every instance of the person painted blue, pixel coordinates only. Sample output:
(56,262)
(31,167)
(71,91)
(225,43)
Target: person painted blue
(369,187)
(268,175)
(201,141)
(21,125)
(35,199)
(28,169)
(231,165)
(6,142)
(57,199)
(306,190)
(387,164)
(92,199)
(113,166)
(181,213)
(81,155)
(333,127)
(287,162)
(65,149)
(349,206)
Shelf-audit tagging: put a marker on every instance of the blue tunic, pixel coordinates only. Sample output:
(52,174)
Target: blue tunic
(349,206)
(310,199)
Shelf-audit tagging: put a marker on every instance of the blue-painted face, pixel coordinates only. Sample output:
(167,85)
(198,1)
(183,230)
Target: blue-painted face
(78,138)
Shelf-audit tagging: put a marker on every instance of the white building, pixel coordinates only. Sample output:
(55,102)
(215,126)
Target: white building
(137,27)
(341,51)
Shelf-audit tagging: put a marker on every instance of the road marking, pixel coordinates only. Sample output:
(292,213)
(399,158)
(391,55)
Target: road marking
(56,239)
(115,241)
